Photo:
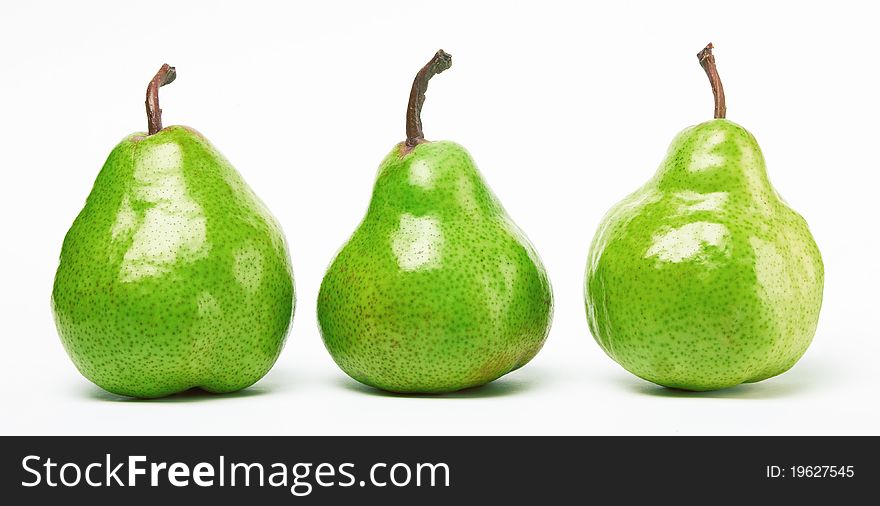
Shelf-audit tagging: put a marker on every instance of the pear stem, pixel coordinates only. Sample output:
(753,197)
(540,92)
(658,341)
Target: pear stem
(440,62)
(707,61)
(164,76)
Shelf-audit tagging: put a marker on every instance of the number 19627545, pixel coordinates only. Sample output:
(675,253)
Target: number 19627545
(817,471)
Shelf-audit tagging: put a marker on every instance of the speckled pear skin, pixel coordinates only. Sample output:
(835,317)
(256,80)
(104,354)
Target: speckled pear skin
(174,275)
(437,290)
(705,278)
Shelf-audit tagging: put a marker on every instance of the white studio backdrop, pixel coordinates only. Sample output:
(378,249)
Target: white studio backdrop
(565,106)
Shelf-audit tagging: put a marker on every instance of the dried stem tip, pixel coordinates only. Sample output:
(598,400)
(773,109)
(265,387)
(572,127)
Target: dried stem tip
(164,76)
(707,61)
(440,62)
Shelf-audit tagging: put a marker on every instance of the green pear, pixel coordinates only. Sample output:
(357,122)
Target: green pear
(705,278)
(174,275)
(437,290)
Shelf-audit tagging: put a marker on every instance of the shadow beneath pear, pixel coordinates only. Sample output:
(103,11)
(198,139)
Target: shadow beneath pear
(782,386)
(191,395)
(501,387)
(271,384)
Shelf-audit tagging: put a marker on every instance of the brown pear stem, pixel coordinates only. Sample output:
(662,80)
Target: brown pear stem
(707,61)
(164,76)
(440,62)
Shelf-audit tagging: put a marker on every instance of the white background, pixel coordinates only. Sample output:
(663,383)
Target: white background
(566,107)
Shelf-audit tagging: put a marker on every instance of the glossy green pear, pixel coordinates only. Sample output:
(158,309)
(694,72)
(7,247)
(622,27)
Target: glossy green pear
(705,278)
(437,289)
(174,275)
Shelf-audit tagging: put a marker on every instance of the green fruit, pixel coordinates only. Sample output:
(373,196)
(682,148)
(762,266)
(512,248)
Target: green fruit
(704,278)
(174,275)
(437,289)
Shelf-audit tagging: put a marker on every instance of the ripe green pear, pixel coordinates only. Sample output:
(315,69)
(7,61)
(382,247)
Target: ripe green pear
(174,275)
(437,290)
(705,278)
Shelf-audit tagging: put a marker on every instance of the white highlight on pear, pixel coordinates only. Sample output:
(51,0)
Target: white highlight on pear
(418,243)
